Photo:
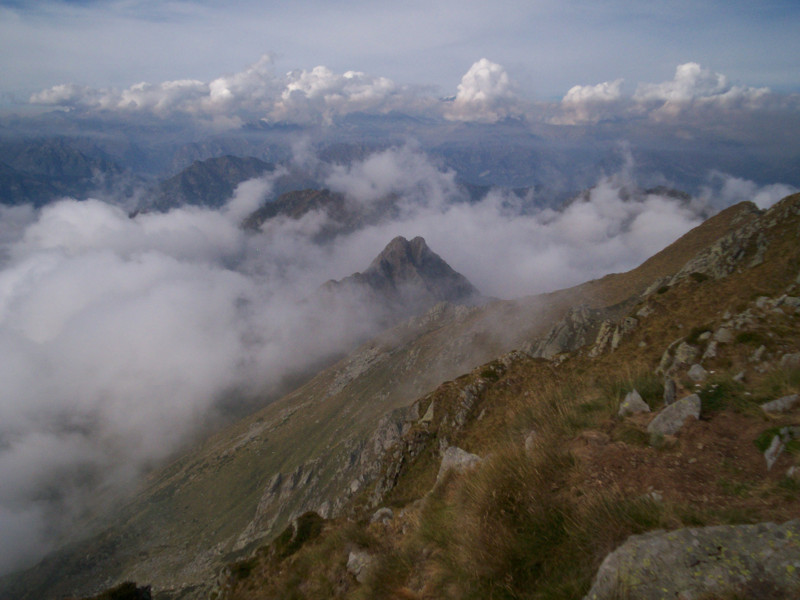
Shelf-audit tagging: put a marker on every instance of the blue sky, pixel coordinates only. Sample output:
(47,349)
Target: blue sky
(545,46)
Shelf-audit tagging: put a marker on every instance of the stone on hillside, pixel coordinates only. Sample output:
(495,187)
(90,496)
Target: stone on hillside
(632,405)
(382,515)
(697,373)
(792,301)
(711,350)
(530,441)
(458,460)
(790,361)
(359,563)
(775,449)
(723,335)
(739,377)
(758,355)
(685,353)
(781,405)
(428,416)
(669,391)
(695,562)
(671,419)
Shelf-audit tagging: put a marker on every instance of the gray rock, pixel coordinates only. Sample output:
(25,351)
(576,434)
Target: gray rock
(382,515)
(428,416)
(671,419)
(359,563)
(781,405)
(790,361)
(792,301)
(632,404)
(711,350)
(723,335)
(685,353)
(669,391)
(458,460)
(689,563)
(772,453)
(758,355)
(530,441)
(697,373)
(739,377)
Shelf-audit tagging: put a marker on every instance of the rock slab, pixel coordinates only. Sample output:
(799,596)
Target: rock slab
(671,418)
(632,404)
(693,562)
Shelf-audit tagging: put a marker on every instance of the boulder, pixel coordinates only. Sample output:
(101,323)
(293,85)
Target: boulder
(723,335)
(790,361)
(781,405)
(458,460)
(701,562)
(669,391)
(359,563)
(697,373)
(671,419)
(632,404)
(382,515)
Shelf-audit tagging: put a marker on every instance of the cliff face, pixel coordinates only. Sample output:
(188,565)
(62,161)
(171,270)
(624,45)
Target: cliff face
(372,431)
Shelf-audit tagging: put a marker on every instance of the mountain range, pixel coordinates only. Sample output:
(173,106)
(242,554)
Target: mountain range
(484,448)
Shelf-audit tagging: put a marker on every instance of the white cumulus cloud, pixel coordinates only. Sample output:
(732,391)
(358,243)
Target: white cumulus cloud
(486,94)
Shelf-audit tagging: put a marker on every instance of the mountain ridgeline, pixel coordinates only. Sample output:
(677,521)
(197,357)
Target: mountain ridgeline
(407,278)
(489,448)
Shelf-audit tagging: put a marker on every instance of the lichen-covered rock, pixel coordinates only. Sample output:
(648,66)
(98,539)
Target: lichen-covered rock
(693,562)
(632,404)
(671,419)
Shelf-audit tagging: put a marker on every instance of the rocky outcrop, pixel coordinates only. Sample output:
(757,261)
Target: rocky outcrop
(758,561)
(576,329)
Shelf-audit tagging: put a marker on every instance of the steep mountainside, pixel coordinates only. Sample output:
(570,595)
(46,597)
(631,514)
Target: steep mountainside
(373,429)
(209,182)
(38,172)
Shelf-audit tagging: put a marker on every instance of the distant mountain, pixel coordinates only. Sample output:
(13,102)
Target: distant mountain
(40,171)
(408,278)
(208,183)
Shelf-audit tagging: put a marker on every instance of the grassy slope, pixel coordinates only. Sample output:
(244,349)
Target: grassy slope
(537,523)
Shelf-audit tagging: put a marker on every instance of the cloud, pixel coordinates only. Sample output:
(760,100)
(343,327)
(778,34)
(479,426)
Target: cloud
(404,172)
(121,339)
(694,85)
(589,103)
(315,96)
(725,190)
(486,94)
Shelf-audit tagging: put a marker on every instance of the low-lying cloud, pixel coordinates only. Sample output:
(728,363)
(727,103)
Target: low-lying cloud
(122,338)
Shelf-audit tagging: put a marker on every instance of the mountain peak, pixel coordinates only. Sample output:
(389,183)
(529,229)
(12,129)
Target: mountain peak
(407,278)
(412,271)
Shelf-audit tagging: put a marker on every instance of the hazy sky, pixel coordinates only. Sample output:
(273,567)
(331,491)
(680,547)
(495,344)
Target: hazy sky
(546,46)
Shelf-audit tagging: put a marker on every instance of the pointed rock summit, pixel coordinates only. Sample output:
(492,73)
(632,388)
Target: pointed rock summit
(407,277)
